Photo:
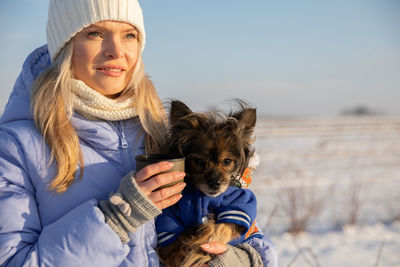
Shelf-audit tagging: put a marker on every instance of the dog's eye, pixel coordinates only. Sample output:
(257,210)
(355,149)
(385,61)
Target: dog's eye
(199,162)
(227,162)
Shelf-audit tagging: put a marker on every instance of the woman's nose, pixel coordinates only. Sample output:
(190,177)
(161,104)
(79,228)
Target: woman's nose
(113,48)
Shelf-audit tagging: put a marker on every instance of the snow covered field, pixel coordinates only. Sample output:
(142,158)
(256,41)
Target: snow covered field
(337,178)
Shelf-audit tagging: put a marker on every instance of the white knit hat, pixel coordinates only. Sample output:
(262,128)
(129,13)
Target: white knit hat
(68,17)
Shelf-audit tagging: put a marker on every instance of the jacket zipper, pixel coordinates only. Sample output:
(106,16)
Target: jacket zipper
(123,146)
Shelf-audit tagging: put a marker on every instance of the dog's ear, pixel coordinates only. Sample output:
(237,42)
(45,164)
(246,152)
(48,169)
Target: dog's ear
(245,123)
(246,119)
(178,110)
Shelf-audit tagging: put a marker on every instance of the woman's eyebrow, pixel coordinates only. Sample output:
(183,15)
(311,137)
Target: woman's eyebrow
(92,28)
(101,28)
(130,30)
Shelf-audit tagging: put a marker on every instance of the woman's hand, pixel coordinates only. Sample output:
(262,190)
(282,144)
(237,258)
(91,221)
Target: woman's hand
(214,247)
(150,178)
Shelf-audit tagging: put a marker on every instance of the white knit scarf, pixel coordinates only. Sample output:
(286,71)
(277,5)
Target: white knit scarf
(93,105)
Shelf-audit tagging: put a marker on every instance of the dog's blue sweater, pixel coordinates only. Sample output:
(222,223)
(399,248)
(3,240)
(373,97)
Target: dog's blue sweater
(235,205)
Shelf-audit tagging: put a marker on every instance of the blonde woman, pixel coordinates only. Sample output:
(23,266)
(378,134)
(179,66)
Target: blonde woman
(80,111)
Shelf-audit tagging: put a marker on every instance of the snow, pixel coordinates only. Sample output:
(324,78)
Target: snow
(338,178)
(352,246)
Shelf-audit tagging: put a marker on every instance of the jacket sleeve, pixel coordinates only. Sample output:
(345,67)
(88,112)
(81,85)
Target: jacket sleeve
(168,226)
(238,206)
(79,238)
(266,250)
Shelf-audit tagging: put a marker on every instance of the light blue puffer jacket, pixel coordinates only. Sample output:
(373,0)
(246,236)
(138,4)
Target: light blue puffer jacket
(41,228)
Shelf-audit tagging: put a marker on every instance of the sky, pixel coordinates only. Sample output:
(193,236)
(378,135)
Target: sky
(294,57)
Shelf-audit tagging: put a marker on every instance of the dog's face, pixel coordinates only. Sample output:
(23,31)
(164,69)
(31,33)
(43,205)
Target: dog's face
(216,147)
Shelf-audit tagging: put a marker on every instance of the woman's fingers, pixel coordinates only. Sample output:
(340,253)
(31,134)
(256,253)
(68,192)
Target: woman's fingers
(165,193)
(168,196)
(159,180)
(153,176)
(166,179)
(152,169)
(214,247)
(165,203)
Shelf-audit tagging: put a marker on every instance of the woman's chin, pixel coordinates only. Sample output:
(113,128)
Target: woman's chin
(110,91)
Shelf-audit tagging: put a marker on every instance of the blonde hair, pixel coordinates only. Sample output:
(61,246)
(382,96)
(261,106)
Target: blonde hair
(52,90)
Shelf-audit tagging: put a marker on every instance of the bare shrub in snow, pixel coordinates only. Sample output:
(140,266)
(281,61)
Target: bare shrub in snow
(300,203)
(307,253)
(354,203)
(271,216)
(378,257)
(393,209)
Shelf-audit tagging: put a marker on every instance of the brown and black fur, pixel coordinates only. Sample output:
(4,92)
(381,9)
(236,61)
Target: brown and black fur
(217,147)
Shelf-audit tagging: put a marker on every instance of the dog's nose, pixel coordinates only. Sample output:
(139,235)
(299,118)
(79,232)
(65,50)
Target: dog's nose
(214,184)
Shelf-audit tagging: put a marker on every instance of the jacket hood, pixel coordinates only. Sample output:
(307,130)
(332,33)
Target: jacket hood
(18,106)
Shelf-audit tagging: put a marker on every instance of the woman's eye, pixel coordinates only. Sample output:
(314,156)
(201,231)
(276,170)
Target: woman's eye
(227,162)
(131,36)
(94,34)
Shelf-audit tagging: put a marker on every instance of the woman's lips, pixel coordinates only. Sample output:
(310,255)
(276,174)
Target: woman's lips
(111,71)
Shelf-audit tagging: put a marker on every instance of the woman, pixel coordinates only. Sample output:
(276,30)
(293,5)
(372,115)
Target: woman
(80,111)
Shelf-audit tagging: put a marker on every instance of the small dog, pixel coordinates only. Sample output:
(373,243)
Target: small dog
(217,149)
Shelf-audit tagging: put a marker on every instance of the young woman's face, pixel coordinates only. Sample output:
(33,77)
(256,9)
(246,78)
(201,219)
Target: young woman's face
(105,55)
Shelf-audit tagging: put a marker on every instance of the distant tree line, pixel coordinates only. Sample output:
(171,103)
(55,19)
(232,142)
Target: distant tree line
(361,110)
